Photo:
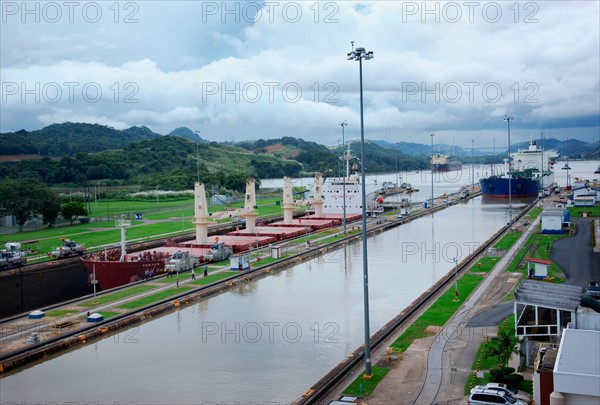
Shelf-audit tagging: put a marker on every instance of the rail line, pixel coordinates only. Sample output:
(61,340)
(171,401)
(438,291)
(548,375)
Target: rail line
(330,382)
(83,334)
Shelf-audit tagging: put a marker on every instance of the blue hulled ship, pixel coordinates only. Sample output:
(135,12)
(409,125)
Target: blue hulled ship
(524,173)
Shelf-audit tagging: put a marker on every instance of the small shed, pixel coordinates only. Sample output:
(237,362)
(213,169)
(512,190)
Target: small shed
(537,268)
(95,317)
(276,251)
(239,262)
(552,221)
(37,314)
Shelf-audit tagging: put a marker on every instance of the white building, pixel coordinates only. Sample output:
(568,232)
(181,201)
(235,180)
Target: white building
(577,368)
(552,221)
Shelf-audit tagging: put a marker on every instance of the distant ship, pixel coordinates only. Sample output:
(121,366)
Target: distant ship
(440,163)
(333,192)
(526,178)
(114,268)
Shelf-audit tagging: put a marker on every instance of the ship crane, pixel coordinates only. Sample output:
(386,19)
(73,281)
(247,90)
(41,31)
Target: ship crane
(202,219)
(316,201)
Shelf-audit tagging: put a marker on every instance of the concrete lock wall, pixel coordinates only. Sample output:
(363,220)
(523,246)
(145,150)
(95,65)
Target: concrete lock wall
(23,290)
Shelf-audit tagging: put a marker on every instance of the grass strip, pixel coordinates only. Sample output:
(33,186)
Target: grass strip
(213,277)
(439,313)
(60,312)
(535,212)
(578,211)
(361,387)
(508,240)
(105,299)
(487,264)
(153,298)
(542,245)
(108,314)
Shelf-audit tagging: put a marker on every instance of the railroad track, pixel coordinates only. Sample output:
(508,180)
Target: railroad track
(325,387)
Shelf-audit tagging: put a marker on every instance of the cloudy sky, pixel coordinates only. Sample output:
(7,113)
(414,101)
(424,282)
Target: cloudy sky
(250,70)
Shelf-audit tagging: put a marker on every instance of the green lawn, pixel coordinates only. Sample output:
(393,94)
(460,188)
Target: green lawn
(118,295)
(439,313)
(487,264)
(60,312)
(108,314)
(534,212)
(538,246)
(213,277)
(592,211)
(154,297)
(508,240)
(90,236)
(362,387)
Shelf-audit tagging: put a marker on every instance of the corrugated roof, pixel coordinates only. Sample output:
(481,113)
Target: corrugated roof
(544,294)
(536,260)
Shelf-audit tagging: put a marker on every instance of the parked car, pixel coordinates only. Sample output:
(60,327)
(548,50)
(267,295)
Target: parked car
(593,289)
(489,396)
(522,395)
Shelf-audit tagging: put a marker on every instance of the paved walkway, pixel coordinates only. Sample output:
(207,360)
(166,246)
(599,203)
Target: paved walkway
(434,369)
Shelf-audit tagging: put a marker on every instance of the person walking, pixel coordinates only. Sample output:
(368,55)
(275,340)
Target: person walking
(205,271)
(193,274)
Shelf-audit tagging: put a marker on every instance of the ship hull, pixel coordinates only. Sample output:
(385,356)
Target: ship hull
(111,274)
(446,167)
(519,187)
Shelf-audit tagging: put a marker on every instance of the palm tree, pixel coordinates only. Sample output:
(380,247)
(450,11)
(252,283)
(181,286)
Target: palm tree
(503,345)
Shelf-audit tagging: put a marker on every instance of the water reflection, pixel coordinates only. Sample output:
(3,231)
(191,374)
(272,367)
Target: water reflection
(267,340)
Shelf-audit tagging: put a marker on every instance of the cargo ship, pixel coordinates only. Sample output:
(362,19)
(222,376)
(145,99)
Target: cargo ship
(351,185)
(114,268)
(530,171)
(440,163)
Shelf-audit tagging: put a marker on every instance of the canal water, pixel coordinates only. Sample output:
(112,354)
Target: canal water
(267,341)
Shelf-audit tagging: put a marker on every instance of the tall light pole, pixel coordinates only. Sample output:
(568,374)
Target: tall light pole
(432,135)
(567,168)
(472,167)
(508,120)
(542,165)
(494,158)
(358,55)
(343,124)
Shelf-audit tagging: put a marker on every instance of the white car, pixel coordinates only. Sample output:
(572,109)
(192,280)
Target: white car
(492,396)
(521,395)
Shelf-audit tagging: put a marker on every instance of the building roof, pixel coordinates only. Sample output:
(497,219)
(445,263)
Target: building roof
(549,295)
(553,213)
(577,368)
(540,261)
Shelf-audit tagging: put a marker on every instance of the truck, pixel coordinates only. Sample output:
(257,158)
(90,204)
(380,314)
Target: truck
(12,256)
(68,249)
(181,261)
(218,251)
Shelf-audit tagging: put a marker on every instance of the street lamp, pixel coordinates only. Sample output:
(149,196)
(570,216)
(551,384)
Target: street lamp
(358,55)
(472,167)
(432,135)
(508,120)
(567,168)
(494,158)
(343,124)
(542,166)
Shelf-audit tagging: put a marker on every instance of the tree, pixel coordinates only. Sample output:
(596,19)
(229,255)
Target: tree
(50,211)
(72,210)
(503,345)
(21,199)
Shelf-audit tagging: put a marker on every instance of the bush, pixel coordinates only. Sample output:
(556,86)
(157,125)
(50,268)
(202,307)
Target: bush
(514,380)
